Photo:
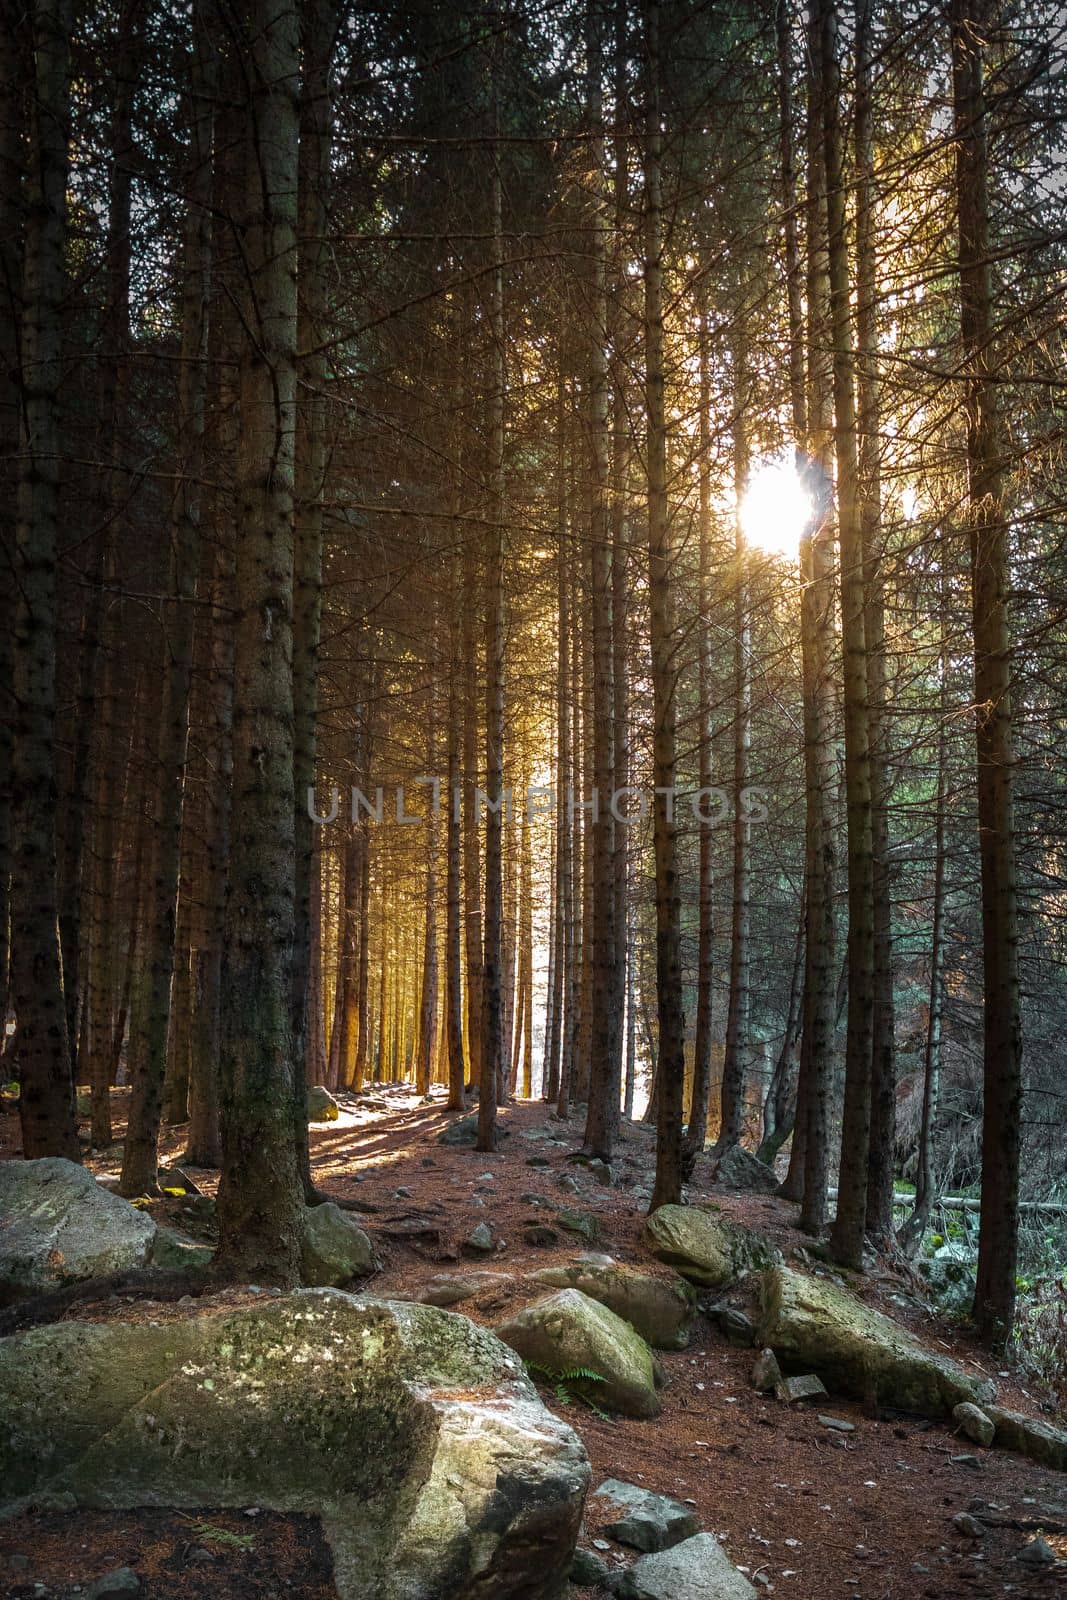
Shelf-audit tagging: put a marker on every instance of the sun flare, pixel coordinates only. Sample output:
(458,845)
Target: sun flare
(775,508)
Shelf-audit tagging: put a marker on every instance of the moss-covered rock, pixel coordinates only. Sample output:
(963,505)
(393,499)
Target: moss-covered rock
(58,1226)
(335,1249)
(661,1309)
(569,1331)
(173,1250)
(704,1246)
(1029,1436)
(322,1107)
(411,1432)
(816,1324)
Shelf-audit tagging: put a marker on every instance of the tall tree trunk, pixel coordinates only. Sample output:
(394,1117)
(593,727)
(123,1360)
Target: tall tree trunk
(602,1119)
(261,1192)
(732,1104)
(919,1220)
(670,1094)
(998,1246)
(879,1223)
(13,89)
(151,1016)
(697,1129)
(46,1101)
(848,1230)
(75,883)
(453,888)
(493,952)
(318,20)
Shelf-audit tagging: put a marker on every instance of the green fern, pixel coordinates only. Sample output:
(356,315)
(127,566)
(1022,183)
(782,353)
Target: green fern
(568,1385)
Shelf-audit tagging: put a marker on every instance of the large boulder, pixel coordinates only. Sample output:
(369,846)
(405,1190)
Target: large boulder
(570,1333)
(817,1324)
(436,1470)
(951,1275)
(696,1569)
(1029,1436)
(58,1225)
(661,1309)
(322,1107)
(334,1249)
(737,1168)
(704,1246)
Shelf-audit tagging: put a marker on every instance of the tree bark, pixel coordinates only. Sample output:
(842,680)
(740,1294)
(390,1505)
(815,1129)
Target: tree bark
(151,1015)
(46,1101)
(848,1230)
(260,1199)
(669,1108)
(998,1245)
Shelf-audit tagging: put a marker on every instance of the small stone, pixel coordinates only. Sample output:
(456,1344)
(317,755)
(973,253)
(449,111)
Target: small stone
(1037,1554)
(580,1222)
(766,1373)
(969,1526)
(588,1570)
(805,1387)
(737,1327)
(568,1184)
(972,1421)
(837,1424)
(479,1240)
(115,1584)
(601,1544)
(538,1161)
(539,1236)
(403,1193)
(967,1461)
(601,1171)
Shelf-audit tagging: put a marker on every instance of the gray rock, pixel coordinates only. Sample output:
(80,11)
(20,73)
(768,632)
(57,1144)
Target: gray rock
(581,1222)
(644,1520)
(738,1327)
(335,1249)
(858,1351)
(804,1387)
(449,1288)
(969,1526)
(568,1183)
(836,1424)
(569,1330)
(114,1584)
(538,1161)
(736,1168)
(972,1421)
(413,1434)
(704,1246)
(661,1309)
(588,1570)
(480,1240)
(696,1569)
(601,1171)
(540,1236)
(766,1373)
(322,1107)
(172,1249)
(1029,1436)
(59,1226)
(1037,1553)
(464,1131)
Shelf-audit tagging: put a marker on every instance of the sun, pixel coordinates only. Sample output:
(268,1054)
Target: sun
(775,508)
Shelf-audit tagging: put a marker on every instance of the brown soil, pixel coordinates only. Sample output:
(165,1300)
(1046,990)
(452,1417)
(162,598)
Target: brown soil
(809,1513)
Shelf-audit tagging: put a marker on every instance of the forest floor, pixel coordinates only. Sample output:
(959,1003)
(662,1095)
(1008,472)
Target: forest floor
(807,1512)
